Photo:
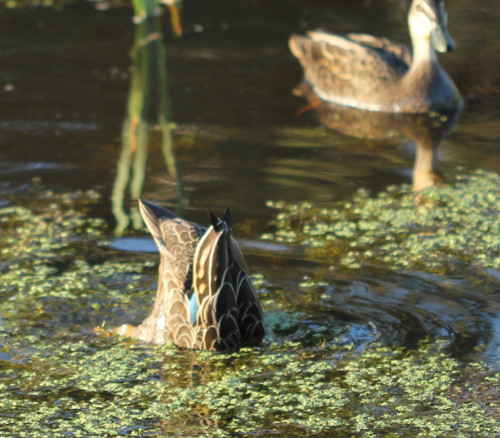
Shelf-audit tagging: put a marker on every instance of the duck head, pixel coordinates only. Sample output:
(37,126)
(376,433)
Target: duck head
(428,19)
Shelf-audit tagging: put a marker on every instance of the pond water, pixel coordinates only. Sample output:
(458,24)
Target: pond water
(213,121)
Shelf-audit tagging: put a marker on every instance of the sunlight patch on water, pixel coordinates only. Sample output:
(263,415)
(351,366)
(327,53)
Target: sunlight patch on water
(37,125)
(138,244)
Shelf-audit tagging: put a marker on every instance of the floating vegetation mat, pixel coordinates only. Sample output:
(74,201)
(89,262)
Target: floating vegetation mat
(109,388)
(438,229)
(59,379)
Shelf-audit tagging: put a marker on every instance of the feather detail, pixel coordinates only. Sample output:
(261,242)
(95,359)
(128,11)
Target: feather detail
(205,299)
(377,74)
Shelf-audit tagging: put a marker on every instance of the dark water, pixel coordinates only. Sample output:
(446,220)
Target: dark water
(66,81)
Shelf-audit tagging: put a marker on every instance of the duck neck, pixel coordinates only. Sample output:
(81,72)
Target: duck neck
(424,54)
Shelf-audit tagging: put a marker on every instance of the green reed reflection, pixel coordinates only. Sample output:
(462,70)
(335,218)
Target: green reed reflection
(145,9)
(148,87)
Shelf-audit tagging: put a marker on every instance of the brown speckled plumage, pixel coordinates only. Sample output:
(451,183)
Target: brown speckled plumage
(378,74)
(209,264)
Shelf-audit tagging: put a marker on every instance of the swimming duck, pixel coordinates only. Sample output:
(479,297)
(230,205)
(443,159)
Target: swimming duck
(205,298)
(377,74)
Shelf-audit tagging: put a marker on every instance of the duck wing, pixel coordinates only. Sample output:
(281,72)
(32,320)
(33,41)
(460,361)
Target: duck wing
(347,69)
(217,319)
(230,313)
(176,239)
(399,50)
(251,318)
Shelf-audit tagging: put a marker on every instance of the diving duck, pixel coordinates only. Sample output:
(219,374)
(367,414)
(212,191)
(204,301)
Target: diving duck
(205,299)
(377,74)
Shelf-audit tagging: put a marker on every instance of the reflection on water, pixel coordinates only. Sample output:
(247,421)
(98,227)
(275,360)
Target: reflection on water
(175,16)
(147,9)
(408,308)
(148,92)
(426,131)
(371,304)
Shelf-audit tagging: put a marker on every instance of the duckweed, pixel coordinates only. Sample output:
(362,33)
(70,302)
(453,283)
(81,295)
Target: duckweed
(60,379)
(124,388)
(439,229)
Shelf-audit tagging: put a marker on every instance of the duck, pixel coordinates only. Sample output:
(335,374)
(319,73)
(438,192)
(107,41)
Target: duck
(377,74)
(205,298)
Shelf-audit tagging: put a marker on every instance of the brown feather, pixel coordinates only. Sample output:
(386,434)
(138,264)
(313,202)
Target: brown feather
(378,74)
(209,264)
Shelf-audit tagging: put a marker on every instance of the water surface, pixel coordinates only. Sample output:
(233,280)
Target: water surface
(217,124)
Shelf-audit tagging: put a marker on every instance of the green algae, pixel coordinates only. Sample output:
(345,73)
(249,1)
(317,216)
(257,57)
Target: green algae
(55,268)
(439,229)
(57,378)
(134,390)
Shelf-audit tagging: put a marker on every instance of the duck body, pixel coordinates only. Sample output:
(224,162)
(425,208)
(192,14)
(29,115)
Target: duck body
(378,74)
(205,298)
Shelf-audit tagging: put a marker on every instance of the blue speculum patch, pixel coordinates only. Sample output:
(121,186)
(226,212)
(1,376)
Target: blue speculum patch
(193,308)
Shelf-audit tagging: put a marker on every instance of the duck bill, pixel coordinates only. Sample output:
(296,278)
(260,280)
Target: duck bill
(441,40)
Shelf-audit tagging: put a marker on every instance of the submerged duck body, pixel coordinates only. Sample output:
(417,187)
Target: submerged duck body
(378,74)
(205,298)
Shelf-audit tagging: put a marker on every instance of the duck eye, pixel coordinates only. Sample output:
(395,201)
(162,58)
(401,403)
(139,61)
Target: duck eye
(419,8)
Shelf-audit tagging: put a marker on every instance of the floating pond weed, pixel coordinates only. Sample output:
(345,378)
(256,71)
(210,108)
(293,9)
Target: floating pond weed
(432,230)
(60,379)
